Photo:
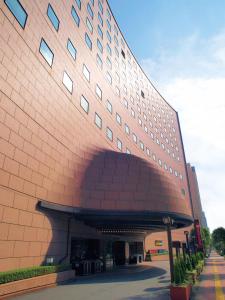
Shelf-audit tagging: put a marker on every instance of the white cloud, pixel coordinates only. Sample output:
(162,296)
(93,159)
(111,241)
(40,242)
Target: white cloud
(192,79)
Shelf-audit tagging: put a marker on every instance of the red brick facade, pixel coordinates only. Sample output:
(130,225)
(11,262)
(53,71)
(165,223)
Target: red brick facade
(47,140)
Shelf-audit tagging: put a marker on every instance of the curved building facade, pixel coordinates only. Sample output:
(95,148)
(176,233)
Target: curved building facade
(91,155)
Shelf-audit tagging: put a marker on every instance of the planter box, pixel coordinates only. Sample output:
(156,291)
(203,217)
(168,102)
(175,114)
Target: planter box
(25,285)
(180,292)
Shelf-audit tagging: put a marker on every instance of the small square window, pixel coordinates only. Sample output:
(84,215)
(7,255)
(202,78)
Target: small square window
(88,41)
(135,138)
(72,50)
(67,81)
(108,61)
(89,25)
(18,11)
(90,11)
(118,119)
(109,49)
(99,61)
(119,144)
(75,16)
(108,14)
(100,6)
(109,77)
(98,121)
(132,113)
(84,104)
(128,151)
(46,52)
(98,91)
(127,129)
(108,36)
(109,134)
(100,33)
(100,19)
(142,94)
(52,17)
(117,91)
(78,3)
(109,106)
(99,44)
(108,25)
(123,53)
(141,145)
(148,151)
(86,73)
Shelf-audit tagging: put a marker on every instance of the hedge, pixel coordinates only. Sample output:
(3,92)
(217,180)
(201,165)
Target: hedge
(19,274)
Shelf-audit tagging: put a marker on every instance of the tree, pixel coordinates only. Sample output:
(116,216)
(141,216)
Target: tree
(218,238)
(206,238)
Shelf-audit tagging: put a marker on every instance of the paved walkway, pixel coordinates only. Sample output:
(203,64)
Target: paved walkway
(212,280)
(148,281)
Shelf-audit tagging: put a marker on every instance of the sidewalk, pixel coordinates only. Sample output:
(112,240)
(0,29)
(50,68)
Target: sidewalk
(212,281)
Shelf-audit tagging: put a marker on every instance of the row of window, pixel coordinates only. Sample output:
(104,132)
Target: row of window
(21,16)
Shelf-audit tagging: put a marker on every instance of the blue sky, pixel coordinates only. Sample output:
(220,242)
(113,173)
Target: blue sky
(181,46)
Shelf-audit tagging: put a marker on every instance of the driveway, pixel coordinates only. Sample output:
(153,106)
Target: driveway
(148,280)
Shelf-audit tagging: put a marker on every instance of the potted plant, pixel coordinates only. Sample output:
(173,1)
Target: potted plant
(180,289)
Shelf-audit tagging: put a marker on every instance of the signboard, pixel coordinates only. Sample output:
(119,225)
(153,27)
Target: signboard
(158,243)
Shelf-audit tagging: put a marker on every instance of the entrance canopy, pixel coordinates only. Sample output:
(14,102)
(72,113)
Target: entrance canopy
(120,193)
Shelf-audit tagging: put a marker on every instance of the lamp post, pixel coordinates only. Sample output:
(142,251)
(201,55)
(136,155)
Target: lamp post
(169,222)
(187,242)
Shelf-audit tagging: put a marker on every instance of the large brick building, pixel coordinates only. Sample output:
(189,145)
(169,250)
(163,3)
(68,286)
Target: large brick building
(91,155)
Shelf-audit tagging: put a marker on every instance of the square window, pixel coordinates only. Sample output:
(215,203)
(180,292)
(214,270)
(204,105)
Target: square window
(67,81)
(89,25)
(99,44)
(72,50)
(108,25)
(109,106)
(108,36)
(52,17)
(90,11)
(18,11)
(119,144)
(100,33)
(46,52)
(84,104)
(148,151)
(78,3)
(86,73)
(98,91)
(108,61)
(109,134)
(100,19)
(109,49)
(100,6)
(135,138)
(128,151)
(88,41)
(75,16)
(127,129)
(118,119)
(98,121)
(123,53)
(141,145)
(109,77)
(99,61)
(117,91)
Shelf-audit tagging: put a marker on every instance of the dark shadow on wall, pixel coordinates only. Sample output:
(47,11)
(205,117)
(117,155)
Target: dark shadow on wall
(111,181)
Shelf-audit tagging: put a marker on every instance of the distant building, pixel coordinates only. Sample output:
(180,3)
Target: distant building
(195,196)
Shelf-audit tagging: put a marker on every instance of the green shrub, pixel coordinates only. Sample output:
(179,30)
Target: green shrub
(188,263)
(179,275)
(194,261)
(19,274)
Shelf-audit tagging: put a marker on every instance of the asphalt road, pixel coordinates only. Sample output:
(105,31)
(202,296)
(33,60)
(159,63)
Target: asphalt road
(146,281)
